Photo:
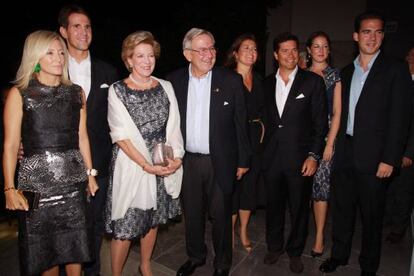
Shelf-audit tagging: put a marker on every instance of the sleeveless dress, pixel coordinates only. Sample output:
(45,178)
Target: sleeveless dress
(58,232)
(149,110)
(322,178)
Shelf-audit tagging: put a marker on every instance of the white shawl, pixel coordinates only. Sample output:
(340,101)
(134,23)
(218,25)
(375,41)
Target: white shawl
(132,186)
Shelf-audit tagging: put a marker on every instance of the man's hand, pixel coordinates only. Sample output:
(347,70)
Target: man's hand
(309,167)
(384,170)
(406,162)
(240,172)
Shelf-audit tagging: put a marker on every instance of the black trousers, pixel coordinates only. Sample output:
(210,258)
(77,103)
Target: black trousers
(201,195)
(402,187)
(352,189)
(286,185)
(97,205)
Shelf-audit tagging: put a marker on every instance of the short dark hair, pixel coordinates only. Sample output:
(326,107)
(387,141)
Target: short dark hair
(230,61)
(283,37)
(367,15)
(67,10)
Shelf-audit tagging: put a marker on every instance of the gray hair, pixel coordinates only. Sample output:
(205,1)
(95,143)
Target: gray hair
(191,34)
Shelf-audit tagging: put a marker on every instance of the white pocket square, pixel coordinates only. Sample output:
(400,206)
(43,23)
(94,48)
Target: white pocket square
(300,96)
(225,103)
(104,85)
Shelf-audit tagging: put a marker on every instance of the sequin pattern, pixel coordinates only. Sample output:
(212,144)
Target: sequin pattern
(53,166)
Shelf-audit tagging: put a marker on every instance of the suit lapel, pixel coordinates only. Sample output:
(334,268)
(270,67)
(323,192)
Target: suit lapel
(346,76)
(294,92)
(182,95)
(91,96)
(272,100)
(214,97)
(376,67)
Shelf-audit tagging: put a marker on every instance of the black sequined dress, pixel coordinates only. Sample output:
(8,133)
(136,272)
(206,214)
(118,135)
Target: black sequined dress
(58,232)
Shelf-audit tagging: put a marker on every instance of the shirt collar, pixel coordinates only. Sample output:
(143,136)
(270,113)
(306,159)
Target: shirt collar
(190,74)
(86,60)
(291,75)
(357,64)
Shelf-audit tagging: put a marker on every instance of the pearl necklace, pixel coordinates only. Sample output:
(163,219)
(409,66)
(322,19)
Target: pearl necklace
(141,83)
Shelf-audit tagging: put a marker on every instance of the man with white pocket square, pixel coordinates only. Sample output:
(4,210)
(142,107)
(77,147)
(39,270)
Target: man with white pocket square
(214,127)
(296,123)
(94,76)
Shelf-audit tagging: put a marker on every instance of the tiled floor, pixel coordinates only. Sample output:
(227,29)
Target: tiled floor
(169,254)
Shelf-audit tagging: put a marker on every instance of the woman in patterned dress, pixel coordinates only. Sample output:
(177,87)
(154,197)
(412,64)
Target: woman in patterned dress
(318,47)
(142,112)
(47,113)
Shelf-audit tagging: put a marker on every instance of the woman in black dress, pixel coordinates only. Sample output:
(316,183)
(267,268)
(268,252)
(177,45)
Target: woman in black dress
(242,57)
(46,112)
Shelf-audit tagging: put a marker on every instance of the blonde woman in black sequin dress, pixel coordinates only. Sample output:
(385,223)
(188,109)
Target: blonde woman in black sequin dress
(47,113)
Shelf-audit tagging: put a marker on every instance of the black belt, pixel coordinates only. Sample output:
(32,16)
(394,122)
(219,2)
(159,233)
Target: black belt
(197,154)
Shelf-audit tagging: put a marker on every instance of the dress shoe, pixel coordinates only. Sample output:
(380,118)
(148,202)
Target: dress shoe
(296,265)
(330,265)
(366,273)
(272,257)
(188,268)
(221,272)
(394,237)
(315,254)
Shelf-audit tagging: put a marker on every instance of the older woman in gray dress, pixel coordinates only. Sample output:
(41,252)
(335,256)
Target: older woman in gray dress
(142,112)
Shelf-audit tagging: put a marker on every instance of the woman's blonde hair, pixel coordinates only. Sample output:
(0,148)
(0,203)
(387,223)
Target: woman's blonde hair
(35,48)
(134,39)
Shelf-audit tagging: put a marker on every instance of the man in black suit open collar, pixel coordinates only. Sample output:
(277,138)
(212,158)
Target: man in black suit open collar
(95,77)
(375,117)
(296,121)
(213,123)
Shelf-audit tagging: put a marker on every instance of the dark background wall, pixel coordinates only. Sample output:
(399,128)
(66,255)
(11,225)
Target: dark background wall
(112,23)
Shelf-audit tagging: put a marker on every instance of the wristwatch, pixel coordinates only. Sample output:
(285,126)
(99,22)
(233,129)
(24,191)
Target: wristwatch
(92,172)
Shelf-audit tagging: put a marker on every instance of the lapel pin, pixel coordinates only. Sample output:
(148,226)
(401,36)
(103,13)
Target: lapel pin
(216,90)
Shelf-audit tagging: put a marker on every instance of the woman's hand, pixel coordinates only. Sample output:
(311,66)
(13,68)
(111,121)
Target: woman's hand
(174,164)
(92,185)
(158,170)
(328,153)
(14,201)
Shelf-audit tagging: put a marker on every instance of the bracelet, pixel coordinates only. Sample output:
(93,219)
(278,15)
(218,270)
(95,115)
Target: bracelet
(9,188)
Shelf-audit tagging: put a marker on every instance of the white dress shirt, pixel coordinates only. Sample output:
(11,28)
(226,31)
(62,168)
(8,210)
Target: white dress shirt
(198,114)
(80,73)
(282,90)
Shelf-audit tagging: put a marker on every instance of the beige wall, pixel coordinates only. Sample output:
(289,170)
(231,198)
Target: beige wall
(302,17)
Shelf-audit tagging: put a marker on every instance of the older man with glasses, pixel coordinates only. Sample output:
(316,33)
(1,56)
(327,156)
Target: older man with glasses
(213,123)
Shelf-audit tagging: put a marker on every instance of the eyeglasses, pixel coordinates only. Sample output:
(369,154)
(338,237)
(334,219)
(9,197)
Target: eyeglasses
(204,51)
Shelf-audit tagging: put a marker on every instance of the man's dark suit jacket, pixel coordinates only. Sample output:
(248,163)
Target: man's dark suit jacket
(102,76)
(381,117)
(229,144)
(304,122)
(409,148)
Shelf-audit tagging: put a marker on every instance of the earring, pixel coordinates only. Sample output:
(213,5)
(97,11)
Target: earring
(37,68)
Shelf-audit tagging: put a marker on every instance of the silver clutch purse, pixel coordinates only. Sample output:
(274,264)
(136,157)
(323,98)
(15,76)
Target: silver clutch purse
(160,154)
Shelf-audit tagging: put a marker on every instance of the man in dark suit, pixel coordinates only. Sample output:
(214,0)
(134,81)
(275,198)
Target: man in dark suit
(402,186)
(95,77)
(376,100)
(213,123)
(296,122)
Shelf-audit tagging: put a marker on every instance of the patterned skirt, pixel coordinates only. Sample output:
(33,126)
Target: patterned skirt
(59,231)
